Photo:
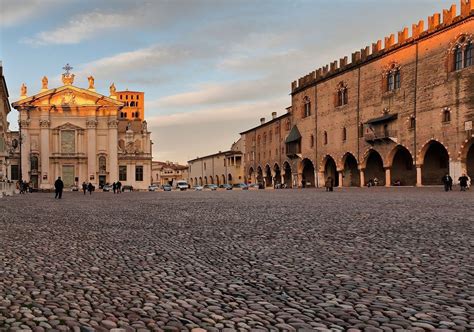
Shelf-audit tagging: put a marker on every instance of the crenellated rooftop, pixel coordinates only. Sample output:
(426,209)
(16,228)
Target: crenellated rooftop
(418,31)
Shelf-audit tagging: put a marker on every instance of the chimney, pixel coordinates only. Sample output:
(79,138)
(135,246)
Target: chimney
(274,115)
(262,120)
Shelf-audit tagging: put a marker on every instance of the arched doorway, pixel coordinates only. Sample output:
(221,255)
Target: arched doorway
(268,176)
(211,180)
(229,178)
(374,168)
(200,181)
(435,164)
(259,175)
(287,176)
(217,180)
(205,180)
(330,170)
(251,175)
(470,162)
(307,173)
(276,169)
(351,176)
(403,171)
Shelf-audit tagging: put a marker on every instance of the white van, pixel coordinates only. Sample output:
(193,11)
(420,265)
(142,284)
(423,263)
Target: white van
(181,185)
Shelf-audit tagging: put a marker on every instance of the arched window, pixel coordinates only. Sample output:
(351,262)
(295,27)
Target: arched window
(34,163)
(325,138)
(270,136)
(132,104)
(102,164)
(468,55)
(446,115)
(344,134)
(342,96)
(136,103)
(311,141)
(265,138)
(307,107)
(136,114)
(412,122)
(458,58)
(258,140)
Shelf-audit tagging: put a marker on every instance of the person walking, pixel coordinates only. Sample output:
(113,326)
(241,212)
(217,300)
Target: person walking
(119,187)
(90,188)
(447,182)
(329,184)
(114,187)
(463,179)
(84,187)
(58,186)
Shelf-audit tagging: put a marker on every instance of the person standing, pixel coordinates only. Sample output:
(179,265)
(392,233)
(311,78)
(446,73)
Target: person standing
(90,188)
(329,184)
(58,186)
(119,187)
(447,182)
(114,187)
(463,179)
(84,187)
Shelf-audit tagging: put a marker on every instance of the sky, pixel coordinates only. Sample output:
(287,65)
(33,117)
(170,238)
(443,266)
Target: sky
(210,69)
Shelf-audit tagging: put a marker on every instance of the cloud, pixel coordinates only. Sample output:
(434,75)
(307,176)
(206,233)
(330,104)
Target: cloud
(81,27)
(13,12)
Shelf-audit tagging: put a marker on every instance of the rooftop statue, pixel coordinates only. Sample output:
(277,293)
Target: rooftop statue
(91,82)
(44,83)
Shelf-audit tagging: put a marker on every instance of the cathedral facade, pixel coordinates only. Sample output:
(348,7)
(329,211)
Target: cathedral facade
(82,136)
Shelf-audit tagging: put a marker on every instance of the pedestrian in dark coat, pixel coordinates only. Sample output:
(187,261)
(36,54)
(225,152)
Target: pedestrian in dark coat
(447,182)
(114,187)
(90,188)
(58,186)
(84,187)
(463,179)
(329,184)
(119,187)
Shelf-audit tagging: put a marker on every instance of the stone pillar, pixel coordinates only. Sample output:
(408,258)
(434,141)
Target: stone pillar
(44,148)
(418,176)
(113,150)
(322,180)
(340,179)
(388,178)
(362,178)
(92,150)
(25,147)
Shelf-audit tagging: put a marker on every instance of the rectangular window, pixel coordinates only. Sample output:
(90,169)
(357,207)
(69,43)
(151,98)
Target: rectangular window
(15,172)
(68,141)
(468,55)
(458,59)
(122,173)
(397,80)
(138,173)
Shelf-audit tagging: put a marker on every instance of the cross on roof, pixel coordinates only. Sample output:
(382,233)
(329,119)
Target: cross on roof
(67,68)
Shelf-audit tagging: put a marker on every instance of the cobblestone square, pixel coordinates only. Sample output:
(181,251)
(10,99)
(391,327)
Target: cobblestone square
(291,260)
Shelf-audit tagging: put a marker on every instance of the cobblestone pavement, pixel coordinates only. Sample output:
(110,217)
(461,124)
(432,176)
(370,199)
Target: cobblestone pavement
(359,259)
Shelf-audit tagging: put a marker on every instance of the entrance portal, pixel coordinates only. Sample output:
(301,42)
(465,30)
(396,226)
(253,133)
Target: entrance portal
(277,171)
(268,176)
(68,176)
(330,170)
(403,170)
(351,172)
(308,174)
(435,164)
(374,168)
(287,169)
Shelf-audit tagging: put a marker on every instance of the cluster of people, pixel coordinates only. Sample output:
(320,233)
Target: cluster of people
(87,187)
(117,187)
(23,187)
(464,182)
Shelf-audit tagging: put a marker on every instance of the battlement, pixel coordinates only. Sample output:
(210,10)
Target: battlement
(435,23)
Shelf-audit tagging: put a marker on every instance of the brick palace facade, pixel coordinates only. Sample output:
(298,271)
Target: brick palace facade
(401,112)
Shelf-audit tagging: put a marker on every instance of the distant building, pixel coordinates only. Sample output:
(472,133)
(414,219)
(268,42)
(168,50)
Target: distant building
(82,136)
(218,168)
(5,109)
(168,172)
(401,111)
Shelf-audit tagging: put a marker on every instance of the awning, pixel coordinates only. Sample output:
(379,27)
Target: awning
(293,136)
(385,118)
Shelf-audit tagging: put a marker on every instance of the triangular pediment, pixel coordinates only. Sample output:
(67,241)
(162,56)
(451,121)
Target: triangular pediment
(68,96)
(68,126)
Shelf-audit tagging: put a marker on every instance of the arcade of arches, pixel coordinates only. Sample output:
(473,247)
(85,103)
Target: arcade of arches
(397,168)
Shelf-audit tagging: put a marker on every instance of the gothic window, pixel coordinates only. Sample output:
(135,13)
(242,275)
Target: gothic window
(136,114)
(468,55)
(446,115)
(392,77)
(361,130)
(307,107)
(344,134)
(265,138)
(325,138)
(287,124)
(138,97)
(132,104)
(342,95)
(258,140)
(138,173)
(412,122)
(126,97)
(458,58)
(34,163)
(270,136)
(311,141)
(102,164)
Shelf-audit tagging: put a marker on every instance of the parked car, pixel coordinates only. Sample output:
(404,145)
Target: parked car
(182,185)
(107,187)
(198,188)
(226,186)
(241,186)
(211,187)
(127,187)
(153,187)
(253,186)
(167,187)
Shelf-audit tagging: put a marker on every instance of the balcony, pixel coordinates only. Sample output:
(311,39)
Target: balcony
(373,135)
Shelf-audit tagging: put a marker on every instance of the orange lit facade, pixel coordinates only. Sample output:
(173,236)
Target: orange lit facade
(399,112)
(134,105)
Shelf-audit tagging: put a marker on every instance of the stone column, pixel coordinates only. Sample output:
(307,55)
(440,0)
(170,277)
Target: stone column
(362,178)
(92,150)
(418,176)
(44,148)
(321,179)
(388,178)
(340,179)
(113,150)
(25,147)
